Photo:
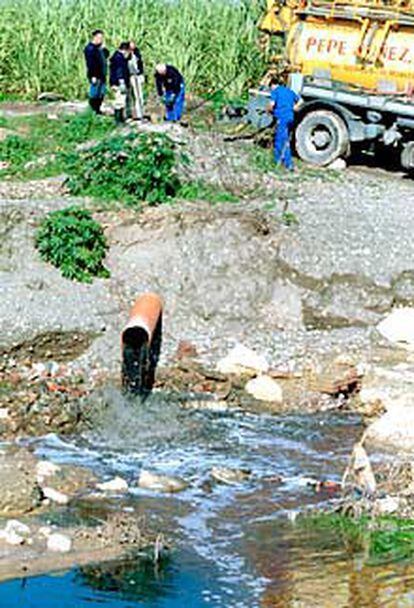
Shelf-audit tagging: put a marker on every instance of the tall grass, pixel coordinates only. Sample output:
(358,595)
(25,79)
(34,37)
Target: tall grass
(211,41)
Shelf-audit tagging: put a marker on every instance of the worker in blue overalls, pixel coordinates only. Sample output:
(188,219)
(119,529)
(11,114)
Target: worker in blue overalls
(284,101)
(171,88)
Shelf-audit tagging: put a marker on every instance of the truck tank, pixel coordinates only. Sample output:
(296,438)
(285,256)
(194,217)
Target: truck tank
(353,64)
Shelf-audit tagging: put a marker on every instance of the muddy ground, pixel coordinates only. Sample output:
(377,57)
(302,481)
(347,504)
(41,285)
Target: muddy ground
(308,295)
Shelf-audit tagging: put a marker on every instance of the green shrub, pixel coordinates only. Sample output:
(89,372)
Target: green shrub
(131,168)
(74,242)
(16,150)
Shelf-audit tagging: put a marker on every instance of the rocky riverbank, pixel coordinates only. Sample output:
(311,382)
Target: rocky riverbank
(300,272)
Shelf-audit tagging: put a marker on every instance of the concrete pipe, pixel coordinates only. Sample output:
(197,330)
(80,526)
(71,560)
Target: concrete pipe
(141,344)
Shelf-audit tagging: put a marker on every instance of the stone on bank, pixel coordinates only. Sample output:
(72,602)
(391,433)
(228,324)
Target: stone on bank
(264,388)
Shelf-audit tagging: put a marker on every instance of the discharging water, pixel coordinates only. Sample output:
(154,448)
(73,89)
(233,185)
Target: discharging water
(234,546)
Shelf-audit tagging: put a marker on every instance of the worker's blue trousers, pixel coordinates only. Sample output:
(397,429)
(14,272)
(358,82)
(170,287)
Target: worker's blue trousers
(282,150)
(175,111)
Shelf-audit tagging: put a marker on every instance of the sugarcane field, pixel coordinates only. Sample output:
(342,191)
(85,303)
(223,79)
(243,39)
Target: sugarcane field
(207,304)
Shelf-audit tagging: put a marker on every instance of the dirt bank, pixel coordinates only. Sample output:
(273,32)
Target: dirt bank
(299,294)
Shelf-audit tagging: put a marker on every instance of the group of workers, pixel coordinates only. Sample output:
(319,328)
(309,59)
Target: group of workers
(127,78)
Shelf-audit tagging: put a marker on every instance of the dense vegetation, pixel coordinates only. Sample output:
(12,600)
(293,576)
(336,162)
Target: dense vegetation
(214,42)
(132,168)
(73,242)
(35,145)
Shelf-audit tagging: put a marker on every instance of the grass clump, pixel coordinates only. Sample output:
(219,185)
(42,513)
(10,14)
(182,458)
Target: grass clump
(382,539)
(74,242)
(132,168)
(36,143)
(82,127)
(199,190)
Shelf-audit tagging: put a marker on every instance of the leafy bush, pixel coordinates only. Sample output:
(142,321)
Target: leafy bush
(16,150)
(74,242)
(133,168)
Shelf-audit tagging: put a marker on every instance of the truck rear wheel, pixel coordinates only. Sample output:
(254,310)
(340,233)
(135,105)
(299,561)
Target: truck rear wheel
(321,137)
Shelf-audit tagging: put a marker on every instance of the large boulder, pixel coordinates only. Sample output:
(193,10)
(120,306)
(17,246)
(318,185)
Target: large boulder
(398,326)
(20,492)
(242,360)
(264,388)
(395,429)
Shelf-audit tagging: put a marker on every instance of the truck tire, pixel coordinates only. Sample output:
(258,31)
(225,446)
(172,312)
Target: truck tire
(321,137)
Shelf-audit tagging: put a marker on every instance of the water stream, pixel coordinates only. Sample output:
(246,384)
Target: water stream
(234,546)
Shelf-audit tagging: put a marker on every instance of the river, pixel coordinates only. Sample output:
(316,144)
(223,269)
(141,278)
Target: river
(233,546)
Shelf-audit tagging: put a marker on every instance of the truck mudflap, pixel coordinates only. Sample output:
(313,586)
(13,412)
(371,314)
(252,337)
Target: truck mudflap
(407,156)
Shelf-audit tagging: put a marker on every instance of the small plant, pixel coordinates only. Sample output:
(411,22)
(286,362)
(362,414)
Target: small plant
(133,168)
(289,218)
(74,242)
(202,191)
(16,150)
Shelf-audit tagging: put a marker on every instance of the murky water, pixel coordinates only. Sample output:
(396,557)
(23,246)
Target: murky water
(235,546)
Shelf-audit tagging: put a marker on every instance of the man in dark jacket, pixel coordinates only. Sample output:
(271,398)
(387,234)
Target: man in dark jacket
(120,80)
(171,87)
(96,57)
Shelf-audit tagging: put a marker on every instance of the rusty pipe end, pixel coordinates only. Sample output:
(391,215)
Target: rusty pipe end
(144,317)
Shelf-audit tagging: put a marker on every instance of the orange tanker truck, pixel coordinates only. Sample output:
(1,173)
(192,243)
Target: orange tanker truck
(352,62)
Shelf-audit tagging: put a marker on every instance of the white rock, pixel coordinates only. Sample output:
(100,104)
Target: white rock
(398,326)
(395,428)
(15,532)
(305,482)
(59,543)
(241,360)
(265,388)
(4,413)
(117,484)
(387,505)
(338,165)
(55,496)
(161,483)
(45,468)
(230,476)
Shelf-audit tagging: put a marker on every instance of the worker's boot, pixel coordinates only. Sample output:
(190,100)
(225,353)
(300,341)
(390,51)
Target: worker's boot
(92,104)
(99,103)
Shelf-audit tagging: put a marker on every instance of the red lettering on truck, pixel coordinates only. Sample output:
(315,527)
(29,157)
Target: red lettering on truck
(329,46)
(311,41)
(342,48)
(396,53)
(332,45)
